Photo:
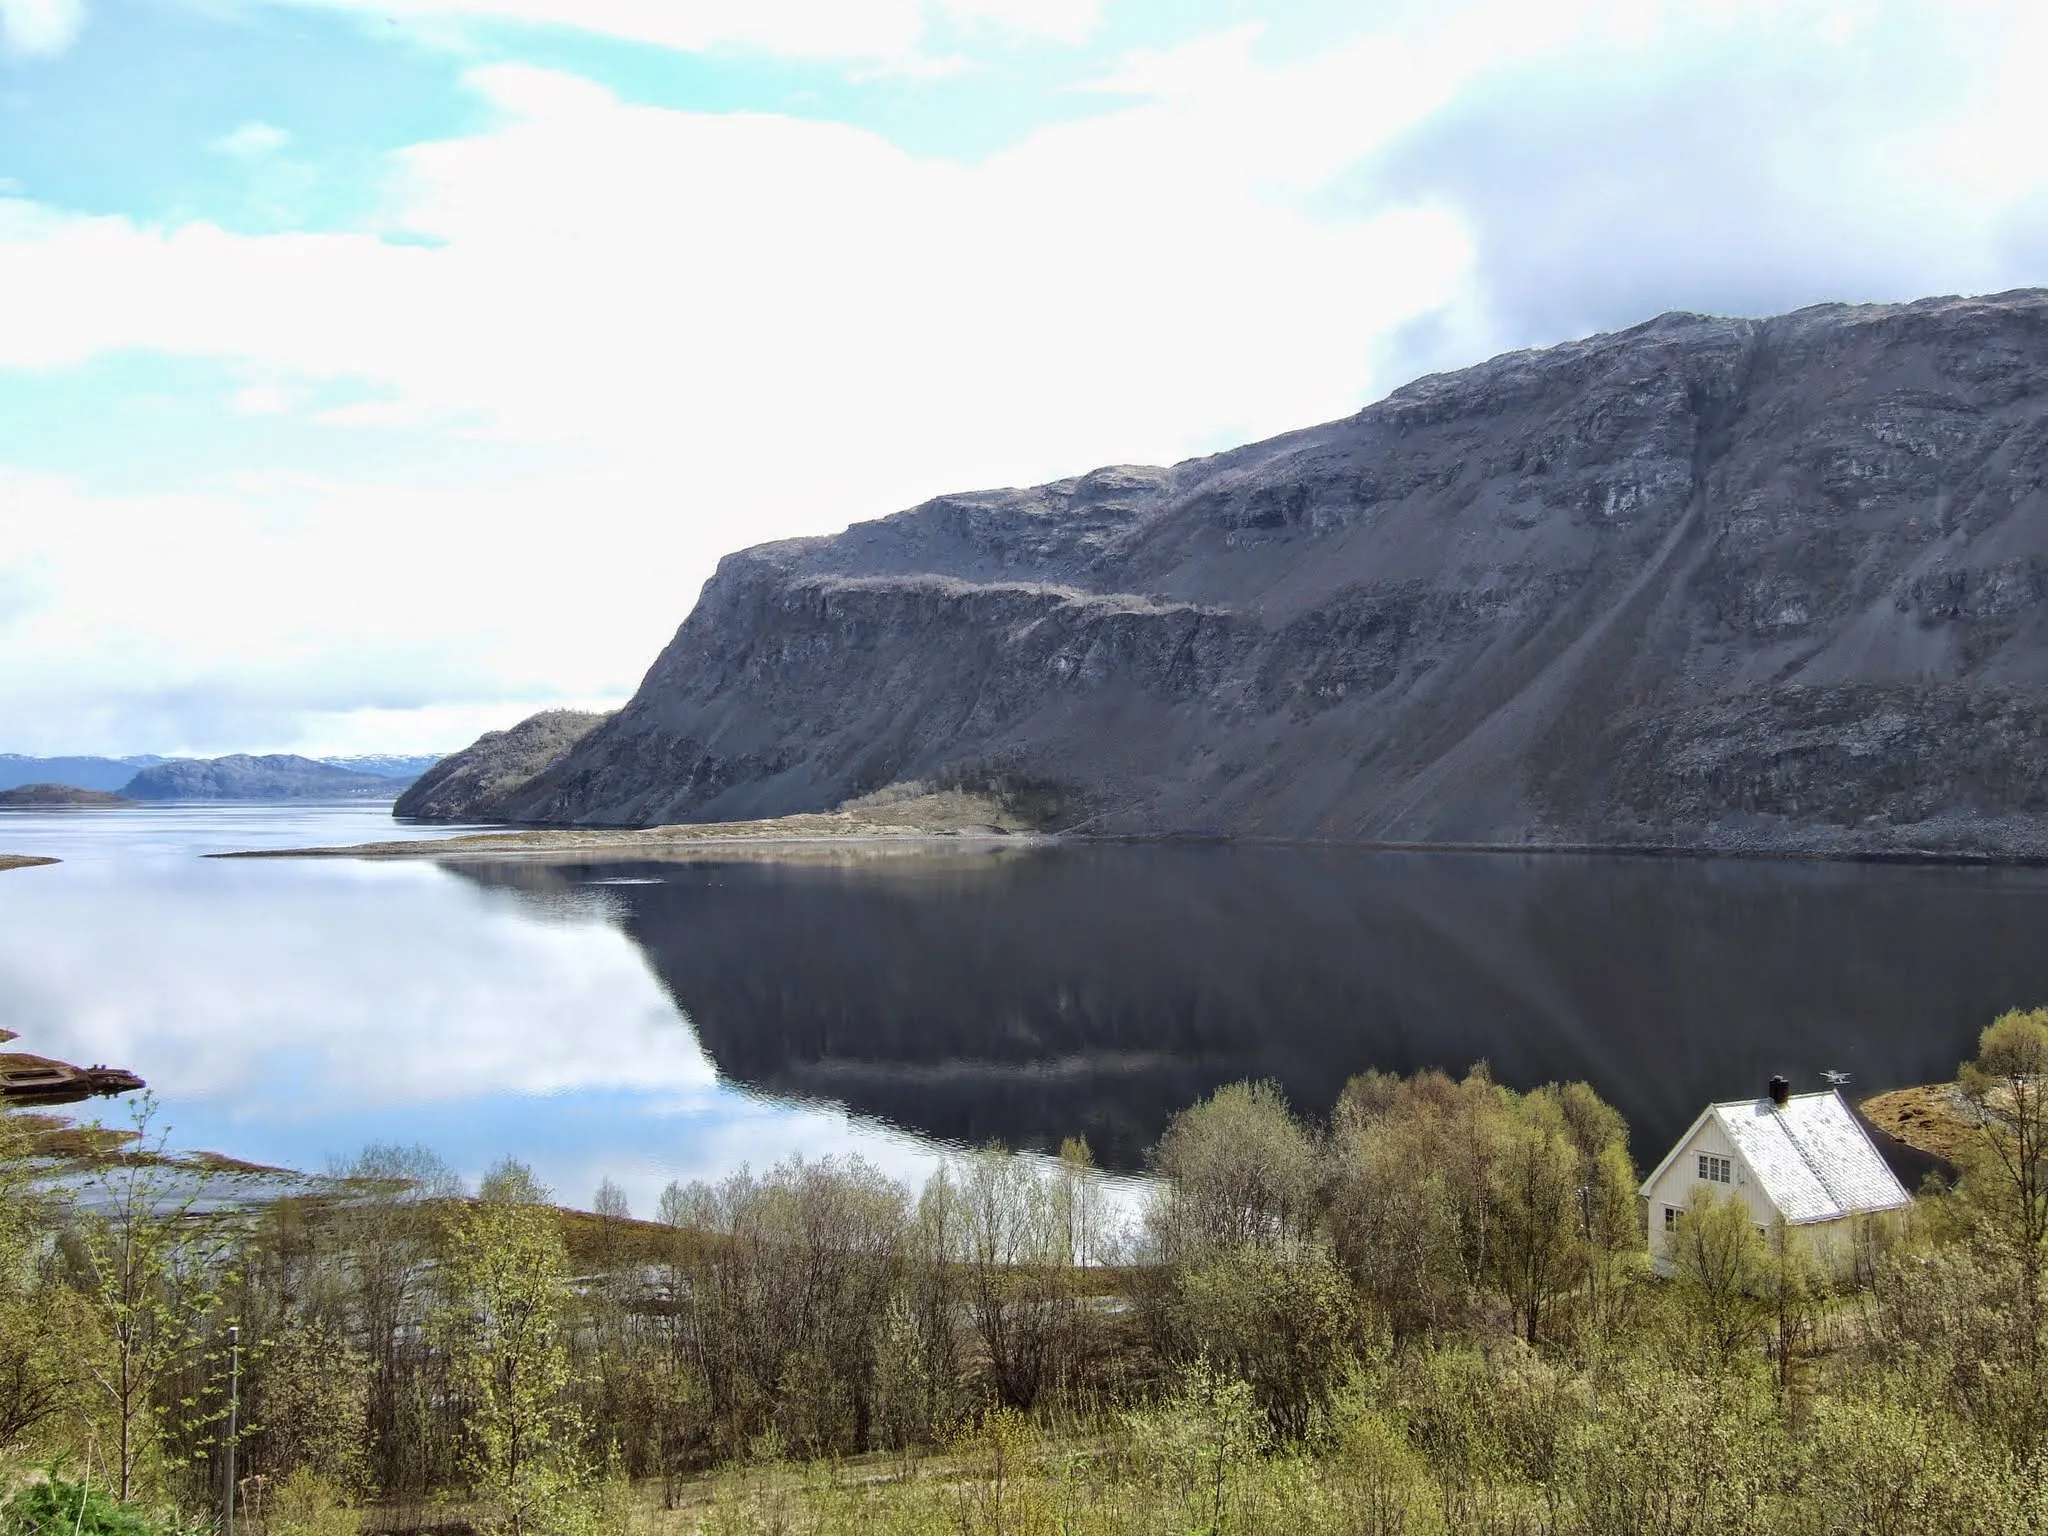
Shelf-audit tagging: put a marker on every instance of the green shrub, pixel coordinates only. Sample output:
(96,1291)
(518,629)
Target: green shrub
(57,1504)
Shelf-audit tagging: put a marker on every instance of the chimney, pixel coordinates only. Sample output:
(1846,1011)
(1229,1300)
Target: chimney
(1780,1091)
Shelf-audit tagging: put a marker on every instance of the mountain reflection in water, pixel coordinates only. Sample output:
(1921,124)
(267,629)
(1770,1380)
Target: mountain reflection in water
(1030,995)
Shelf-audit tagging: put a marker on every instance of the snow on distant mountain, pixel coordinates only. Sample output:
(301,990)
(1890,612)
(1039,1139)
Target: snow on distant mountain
(386,765)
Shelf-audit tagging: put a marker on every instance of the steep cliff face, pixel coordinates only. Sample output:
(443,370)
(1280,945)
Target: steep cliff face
(1705,582)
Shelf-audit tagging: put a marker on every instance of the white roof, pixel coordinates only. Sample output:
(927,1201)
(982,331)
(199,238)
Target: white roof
(1814,1161)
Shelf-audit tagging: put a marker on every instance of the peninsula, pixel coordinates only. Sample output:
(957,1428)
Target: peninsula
(915,818)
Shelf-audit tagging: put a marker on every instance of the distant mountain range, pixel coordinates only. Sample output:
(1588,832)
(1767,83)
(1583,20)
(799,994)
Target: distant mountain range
(276,776)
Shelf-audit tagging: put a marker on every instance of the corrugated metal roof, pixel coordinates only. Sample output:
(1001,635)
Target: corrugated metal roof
(1815,1162)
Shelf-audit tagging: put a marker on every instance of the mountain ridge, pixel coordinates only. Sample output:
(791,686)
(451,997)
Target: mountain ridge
(114,774)
(242,776)
(1768,585)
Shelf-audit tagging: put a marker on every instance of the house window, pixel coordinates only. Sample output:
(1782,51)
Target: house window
(1715,1170)
(1670,1218)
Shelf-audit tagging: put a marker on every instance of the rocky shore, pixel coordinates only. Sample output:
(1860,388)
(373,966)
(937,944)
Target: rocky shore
(38,1080)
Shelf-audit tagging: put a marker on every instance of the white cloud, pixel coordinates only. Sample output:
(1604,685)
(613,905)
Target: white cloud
(723,328)
(1067,21)
(1748,157)
(40,28)
(267,399)
(279,614)
(712,329)
(252,141)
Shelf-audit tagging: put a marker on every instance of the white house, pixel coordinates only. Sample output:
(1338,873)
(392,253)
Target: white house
(1802,1158)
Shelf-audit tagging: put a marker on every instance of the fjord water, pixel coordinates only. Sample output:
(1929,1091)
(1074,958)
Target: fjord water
(650,1020)
(290,1011)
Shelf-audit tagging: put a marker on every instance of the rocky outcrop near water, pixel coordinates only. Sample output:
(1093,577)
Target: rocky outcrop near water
(1706,583)
(482,781)
(242,777)
(37,1080)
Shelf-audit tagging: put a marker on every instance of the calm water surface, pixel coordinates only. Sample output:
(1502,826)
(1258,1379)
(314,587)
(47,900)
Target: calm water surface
(652,1021)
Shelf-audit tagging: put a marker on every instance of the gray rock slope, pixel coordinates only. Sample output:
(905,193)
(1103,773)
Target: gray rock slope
(1705,583)
(476,783)
(278,776)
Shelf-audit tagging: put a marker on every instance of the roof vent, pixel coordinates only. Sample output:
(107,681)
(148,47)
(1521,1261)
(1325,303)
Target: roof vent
(1780,1091)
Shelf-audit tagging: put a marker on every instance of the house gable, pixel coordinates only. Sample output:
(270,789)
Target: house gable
(1670,1189)
(1682,1146)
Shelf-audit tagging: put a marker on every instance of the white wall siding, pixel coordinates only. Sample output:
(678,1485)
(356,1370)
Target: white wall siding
(1674,1188)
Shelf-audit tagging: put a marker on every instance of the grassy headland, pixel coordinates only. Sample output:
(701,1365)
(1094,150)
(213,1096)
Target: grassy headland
(889,821)
(23,860)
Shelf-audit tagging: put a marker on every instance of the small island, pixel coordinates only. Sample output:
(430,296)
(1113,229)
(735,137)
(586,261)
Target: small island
(42,797)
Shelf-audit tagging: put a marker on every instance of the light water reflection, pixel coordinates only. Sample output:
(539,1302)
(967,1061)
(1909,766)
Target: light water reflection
(290,1011)
(650,1021)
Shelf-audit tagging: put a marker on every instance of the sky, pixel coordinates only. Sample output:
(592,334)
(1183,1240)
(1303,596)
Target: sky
(375,372)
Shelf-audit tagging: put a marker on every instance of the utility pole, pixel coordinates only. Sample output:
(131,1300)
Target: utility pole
(234,1418)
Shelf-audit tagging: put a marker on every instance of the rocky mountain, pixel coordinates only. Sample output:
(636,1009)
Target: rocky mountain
(476,784)
(1713,583)
(279,776)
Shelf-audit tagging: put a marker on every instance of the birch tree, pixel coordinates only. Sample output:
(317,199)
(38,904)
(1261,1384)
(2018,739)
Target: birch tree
(151,1263)
(504,1325)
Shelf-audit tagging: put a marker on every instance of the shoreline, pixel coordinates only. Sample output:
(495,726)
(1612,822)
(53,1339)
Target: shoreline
(25,860)
(810,832)
(1967,857)
(517,845)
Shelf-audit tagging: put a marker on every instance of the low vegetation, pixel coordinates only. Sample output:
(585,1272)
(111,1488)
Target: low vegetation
(1432,1314)
(899,814)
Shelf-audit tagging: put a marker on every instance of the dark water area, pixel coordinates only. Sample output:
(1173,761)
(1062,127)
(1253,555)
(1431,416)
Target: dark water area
(1031,995)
